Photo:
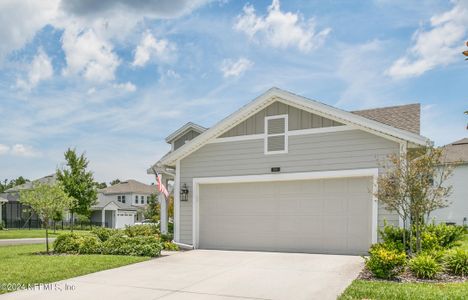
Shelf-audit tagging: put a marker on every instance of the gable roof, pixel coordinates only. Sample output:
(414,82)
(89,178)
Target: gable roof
(49,179)
(456,152)
(129,186)
(406,117)
(276,94)
(182,130)
(104,202)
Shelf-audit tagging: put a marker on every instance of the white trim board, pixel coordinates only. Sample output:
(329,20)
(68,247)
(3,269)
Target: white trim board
(373,173)
(267,135)
(177,203)
(260,136)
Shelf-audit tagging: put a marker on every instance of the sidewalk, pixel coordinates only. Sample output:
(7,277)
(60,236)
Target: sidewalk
(27,241)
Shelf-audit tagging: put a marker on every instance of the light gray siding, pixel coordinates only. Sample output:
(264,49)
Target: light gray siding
(298,119)
(354,149)
(186,137)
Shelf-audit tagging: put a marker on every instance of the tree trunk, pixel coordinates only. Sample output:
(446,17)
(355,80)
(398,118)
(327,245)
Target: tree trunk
(72,221)
(47,236)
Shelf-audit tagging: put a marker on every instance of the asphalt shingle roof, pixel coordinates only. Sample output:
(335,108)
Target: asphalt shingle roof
(129,186)
(456,152)
(406,117)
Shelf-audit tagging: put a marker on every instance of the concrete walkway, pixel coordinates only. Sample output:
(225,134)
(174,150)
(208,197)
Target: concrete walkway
(205,274)
(26,241)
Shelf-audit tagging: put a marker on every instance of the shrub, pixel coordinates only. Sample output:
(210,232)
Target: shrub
(447,235)
(170,246)
(103,233)
(67,243)
(384,262)
(141,230)
(456,262)
(429,241)
(135,246)
(166,237)
(424,266)
(89,244)
(392,236)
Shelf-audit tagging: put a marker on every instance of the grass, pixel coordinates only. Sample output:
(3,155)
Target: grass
(20,265)
(363,289)
(33,233)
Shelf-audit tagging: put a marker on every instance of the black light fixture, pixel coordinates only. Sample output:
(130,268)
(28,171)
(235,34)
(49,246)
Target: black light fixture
(184,191)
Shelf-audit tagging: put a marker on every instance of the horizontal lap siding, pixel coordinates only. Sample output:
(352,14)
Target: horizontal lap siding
(344,150)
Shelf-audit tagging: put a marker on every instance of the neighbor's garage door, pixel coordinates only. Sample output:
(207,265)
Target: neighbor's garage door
(316,216)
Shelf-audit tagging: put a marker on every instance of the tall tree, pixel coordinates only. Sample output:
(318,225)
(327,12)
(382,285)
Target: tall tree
(47,201)
(413,186)
(78,183)
(114,182)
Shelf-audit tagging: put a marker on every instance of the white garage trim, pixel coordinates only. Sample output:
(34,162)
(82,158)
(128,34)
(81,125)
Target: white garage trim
(374,172)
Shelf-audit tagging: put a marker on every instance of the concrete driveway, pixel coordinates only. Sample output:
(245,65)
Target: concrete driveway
(208,274)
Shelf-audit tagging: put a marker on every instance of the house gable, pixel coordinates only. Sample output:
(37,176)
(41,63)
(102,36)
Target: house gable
(189,135)
(302,104)
(297,120)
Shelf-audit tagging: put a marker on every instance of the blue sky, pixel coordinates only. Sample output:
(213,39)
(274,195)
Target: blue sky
(114,78)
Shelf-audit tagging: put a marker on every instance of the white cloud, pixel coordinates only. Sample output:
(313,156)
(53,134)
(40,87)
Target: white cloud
(235,68)
(4,149)
(150,47)
(18,150)
(439,46)
(281,29)
(40,69)
(127,86)
(20,20)
(89,55)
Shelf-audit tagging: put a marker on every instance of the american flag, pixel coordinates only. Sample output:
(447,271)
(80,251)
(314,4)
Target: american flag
(161,187)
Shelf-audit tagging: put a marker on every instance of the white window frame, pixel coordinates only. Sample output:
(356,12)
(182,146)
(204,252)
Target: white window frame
(285,117)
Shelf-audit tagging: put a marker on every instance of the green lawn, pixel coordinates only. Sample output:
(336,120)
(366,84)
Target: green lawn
(362,289)
(33,233)
(19,264)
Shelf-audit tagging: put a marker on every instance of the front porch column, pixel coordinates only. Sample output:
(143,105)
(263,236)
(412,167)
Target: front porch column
(163,205)
(103,218)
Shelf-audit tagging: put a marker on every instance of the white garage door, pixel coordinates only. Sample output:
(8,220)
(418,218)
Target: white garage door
(315,216)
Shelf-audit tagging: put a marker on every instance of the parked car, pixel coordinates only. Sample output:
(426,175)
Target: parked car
(147,222)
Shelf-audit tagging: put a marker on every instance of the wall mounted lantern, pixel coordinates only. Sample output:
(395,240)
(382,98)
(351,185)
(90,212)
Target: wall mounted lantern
(184,191)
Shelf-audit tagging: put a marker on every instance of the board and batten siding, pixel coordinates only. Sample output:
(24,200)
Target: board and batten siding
(297,119)
(343,150)
(190,135)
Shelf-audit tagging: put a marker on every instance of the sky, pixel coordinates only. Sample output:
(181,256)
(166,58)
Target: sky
(113,78)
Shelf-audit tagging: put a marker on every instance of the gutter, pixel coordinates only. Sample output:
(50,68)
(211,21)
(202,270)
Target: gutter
(184,246)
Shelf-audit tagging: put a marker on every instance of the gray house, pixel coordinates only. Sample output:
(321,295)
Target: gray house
(286,173)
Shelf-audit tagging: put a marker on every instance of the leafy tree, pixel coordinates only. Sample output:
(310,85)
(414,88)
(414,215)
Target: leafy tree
(101,185)
(413,186)
(115,181)
(47,201)
(5,185)
(152,209)
(78,183)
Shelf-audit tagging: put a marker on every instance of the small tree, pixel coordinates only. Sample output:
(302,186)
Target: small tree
(78,183)
(47,201)
(114,182)
(413,186)
(152,209)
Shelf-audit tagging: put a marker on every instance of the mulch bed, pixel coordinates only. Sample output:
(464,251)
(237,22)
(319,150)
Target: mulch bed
(406,276)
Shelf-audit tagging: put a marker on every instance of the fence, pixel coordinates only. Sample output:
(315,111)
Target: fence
(37,224)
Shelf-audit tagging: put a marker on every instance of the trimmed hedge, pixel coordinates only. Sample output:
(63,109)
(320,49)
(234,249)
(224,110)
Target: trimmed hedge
(134,246)
(103,233)
(77,244)
(142,230)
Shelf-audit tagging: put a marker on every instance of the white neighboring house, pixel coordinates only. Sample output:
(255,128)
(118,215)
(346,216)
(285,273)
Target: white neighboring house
(457,212)
(118,205)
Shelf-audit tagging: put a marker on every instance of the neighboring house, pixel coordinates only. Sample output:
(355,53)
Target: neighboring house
(2,202)
(456,154)
(17,215)
(121,204)
(285,173)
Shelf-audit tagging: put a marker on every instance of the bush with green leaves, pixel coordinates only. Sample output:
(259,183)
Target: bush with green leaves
(424,266)
(103,233)
(77,244)
(141,230)
(166,237)
(67,243)
(89,244)
(447,235)
(385,262)
(456,262)
(170,246)
(392,236)
(119,244)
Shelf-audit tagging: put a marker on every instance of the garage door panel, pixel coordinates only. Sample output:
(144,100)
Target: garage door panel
(317,216)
